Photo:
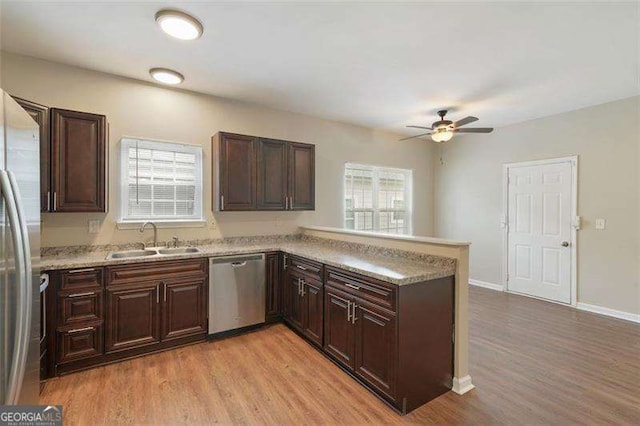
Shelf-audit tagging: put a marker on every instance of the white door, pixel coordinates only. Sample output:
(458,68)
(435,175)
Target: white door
(539,232)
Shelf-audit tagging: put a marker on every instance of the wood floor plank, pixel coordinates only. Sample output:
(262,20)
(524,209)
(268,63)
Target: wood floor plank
(533,362)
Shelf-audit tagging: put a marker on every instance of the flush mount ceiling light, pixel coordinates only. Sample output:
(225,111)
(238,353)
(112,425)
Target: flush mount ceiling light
(442,134)
(166,76)
(179,24)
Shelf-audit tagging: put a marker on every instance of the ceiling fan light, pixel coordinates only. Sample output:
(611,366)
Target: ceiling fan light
(442,134)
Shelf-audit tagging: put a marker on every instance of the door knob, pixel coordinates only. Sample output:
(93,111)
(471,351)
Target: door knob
(565,244)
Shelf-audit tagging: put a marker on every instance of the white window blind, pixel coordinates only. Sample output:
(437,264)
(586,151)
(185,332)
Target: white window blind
(377,199)
(160,181)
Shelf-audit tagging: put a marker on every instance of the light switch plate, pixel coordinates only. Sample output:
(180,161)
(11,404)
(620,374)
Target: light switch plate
(94,226)
(600,224)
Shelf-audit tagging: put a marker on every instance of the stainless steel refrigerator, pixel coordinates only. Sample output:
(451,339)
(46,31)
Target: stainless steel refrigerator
(19,255)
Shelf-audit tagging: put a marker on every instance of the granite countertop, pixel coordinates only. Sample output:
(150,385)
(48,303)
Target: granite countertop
(394,266)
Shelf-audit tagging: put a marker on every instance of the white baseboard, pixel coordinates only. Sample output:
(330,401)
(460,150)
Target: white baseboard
(462,385)
(484,284)
(628,316)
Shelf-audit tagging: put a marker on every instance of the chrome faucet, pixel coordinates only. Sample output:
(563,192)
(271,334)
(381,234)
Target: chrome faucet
(155,232)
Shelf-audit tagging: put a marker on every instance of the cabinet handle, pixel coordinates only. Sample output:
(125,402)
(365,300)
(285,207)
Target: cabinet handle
(301,267)
(353,315)
(79,330)
(79,271)
(303,284)
(165,291)
(290,202)
(222,202)
(89,293)
(284,262)
(158,293)
(55,203)
(286,203)
(348,311)
(355,287)
(48,201)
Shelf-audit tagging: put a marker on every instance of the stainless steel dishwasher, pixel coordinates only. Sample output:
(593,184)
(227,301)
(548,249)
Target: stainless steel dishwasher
(236,292)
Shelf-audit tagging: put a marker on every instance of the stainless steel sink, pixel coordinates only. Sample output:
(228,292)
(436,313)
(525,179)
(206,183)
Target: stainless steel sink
(131,254)
(179,250)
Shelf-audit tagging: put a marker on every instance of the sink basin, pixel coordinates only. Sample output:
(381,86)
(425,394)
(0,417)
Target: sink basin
(131,254)
(179,250)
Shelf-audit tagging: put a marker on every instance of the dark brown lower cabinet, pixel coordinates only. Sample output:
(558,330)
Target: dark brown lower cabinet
(79,343)
(397,340)
(133,316)
(303,304)
(293,300)
(375,347)
(184,308)
(273,271)
(339,340)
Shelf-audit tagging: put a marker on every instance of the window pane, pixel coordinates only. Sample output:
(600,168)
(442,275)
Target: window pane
(161,180)
(375,198)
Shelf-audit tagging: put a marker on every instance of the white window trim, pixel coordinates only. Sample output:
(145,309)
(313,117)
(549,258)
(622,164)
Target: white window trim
(198,221)
(408,195)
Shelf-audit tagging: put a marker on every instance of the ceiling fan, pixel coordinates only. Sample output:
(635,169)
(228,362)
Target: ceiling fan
(443,130)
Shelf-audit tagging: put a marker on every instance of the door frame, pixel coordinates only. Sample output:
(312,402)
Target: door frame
(575,220)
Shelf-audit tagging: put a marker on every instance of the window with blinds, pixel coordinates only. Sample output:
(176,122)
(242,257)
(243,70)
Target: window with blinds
(377,199)
(160,181)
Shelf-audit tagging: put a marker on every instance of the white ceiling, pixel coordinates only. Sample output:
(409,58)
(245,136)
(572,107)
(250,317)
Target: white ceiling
(382,65)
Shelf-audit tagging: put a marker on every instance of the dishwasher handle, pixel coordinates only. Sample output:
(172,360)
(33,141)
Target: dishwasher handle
(238,264)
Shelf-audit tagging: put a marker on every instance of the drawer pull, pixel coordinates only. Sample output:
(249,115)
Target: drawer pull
(301,267)
(79,271)
(79,330)
(90,293)
(355,287)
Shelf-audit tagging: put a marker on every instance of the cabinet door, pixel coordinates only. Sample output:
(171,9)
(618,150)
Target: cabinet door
(184,310)
(272,174)
(40,115)
(376,348)
(273,274)
(312,305)
(78,161)
(339,338)
(302,178)
(237,172)
(132,316)
(293,306)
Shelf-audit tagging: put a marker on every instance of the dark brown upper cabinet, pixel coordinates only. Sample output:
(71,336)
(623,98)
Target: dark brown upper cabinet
(40,115)
(272,174)
(252,173)
(302,182)
(78,161)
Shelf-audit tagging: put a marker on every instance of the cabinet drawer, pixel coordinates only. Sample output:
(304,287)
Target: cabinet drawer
(83,278)
(79,307)
(378,292)
(306,266)
(79,343)
(155,271)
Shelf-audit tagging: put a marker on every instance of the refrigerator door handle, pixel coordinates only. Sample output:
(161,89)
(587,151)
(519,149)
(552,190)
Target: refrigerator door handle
(23,271)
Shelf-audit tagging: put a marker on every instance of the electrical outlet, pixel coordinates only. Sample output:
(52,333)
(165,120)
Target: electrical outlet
(213,225)
(601,224)
(94,226)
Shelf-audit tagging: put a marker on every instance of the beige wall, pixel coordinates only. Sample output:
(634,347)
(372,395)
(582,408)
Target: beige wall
(147,110)
(606,138)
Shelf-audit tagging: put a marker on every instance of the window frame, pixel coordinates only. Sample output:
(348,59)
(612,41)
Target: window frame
(198,218)
(408,197)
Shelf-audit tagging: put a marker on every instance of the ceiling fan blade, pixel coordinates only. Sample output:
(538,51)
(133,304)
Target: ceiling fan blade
(465,121)
(475,130)
(416,136)
(421,127)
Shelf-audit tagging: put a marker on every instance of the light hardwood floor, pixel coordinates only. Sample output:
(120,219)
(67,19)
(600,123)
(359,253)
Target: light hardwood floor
(533,362)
